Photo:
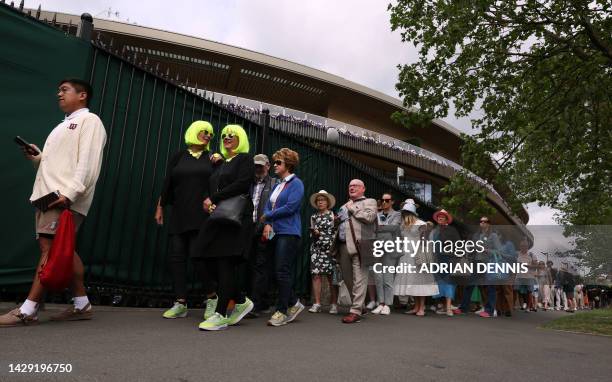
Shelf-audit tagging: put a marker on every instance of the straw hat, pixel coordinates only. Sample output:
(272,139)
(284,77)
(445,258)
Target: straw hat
(449,217)
(330,198)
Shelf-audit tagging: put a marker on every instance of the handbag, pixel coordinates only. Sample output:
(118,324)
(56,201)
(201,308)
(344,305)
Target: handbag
(344,296)
(365,248)
(460,264)
(57,272)
(230,211)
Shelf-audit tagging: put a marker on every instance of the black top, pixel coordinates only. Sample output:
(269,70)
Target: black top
(231,178)
(185,188)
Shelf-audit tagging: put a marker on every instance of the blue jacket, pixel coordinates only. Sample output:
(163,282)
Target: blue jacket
(286,218)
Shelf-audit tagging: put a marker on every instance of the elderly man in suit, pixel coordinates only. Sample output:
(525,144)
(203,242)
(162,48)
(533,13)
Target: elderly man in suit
(362,213)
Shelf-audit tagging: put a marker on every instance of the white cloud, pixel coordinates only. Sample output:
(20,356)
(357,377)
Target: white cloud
(541,215)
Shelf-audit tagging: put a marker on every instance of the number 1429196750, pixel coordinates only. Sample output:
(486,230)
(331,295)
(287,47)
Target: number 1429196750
(40,368)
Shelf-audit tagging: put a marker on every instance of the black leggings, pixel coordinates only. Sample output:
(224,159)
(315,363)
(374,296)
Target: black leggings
(180,250)
(225,271)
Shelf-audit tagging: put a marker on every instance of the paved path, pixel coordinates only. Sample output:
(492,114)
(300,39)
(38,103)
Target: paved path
(130,344)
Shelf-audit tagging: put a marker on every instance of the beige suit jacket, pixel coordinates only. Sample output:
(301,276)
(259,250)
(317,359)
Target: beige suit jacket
(363,214)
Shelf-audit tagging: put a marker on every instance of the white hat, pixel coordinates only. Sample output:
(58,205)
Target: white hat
(410,206)
(330,197)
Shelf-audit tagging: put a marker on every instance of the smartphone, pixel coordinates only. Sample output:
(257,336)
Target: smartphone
(22,142)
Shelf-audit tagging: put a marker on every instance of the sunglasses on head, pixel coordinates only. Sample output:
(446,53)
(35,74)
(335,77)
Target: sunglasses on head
(228,136)
(278,162)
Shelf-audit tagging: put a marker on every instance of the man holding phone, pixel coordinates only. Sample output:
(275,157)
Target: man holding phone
(68,164)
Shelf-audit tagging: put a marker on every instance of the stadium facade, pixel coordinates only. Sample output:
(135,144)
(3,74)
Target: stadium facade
(148,84)
(245,77)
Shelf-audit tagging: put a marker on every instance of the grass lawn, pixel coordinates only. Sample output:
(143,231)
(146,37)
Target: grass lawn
(597,321)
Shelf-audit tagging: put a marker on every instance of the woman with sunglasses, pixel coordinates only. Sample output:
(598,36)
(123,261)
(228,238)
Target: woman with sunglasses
(224,246)
(284,228)
(186,182)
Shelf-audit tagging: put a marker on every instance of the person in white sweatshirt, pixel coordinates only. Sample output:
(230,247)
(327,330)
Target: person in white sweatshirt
(69,164)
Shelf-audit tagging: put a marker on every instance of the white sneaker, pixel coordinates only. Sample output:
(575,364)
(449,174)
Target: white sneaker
(371,305)
(494,312)
(433,308)
(294,310)
(385,310)
(333,309)
(378,309)
(479,311)
(315,308)
(524,305)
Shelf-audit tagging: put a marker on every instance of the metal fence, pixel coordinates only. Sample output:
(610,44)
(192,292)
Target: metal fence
(145,113)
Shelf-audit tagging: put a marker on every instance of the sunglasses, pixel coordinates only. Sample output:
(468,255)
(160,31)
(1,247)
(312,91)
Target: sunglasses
(208,133)
(227,136)
(386,200)
(484,221)
(278,162)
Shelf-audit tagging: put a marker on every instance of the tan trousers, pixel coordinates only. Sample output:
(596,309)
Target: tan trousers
(355,276)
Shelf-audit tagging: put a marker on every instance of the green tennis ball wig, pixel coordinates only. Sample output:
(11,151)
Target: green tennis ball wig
(196,127)
(243,139)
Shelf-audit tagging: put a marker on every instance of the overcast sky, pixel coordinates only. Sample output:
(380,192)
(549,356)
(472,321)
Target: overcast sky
(348,38)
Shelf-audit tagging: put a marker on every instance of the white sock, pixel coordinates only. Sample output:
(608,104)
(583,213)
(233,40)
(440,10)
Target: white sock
(29,307)
(81,302)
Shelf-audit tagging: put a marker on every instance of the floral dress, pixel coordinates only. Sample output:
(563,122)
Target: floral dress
(322,261)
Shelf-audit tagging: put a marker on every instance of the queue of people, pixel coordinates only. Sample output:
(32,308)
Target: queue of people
(243,215)
(228,211)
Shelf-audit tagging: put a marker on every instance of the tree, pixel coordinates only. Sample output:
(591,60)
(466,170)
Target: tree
(541,74)
(465,199)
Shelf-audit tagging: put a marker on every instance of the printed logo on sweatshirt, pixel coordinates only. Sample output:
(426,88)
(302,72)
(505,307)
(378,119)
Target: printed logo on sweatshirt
(72,126)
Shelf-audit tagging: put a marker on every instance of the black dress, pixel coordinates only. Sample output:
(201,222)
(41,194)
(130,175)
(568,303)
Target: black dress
(231,178)
(185,188)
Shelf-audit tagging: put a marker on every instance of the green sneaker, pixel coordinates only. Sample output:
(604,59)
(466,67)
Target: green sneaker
(215,322)
(177,311)
(293,311)
(211,306)
(278,319)
(240,310)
